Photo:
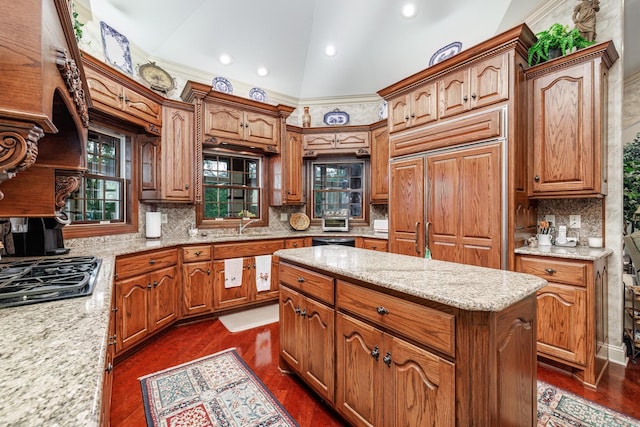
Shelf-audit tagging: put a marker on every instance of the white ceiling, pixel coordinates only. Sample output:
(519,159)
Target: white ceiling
(376,46)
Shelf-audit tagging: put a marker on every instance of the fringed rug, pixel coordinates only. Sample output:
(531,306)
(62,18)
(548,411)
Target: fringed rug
(216,390)
(559,408)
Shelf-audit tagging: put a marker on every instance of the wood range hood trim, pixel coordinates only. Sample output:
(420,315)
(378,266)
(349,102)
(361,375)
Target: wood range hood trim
(43,108)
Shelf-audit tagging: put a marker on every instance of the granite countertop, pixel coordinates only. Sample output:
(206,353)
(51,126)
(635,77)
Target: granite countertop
(577,252)
(458,285)
(52,354)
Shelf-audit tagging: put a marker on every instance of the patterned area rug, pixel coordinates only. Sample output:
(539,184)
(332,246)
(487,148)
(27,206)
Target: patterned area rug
(216,390)
(559,408)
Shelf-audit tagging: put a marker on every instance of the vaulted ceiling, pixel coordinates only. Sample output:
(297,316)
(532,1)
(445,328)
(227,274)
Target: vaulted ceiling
(375,45)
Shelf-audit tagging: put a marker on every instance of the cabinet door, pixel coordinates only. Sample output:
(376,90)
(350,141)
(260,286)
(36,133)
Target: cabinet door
(561,320)
(231,297)
(352,140)
(453,93)
(564,158)
(164,297)
(150,172)
(374,244)
(261,129)
(419,387)
(132,315)
(318,362)
(318,141)
(142,107)
(177,154)
(104,91)
(489,81)
(197,288)
(359,385)
(291,328)
(424,104)
(406,225)
(223,122)
(293,169)
(464,206)
(380,166)
(399,113)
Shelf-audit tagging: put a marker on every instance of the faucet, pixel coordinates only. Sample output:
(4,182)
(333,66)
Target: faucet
(242,226)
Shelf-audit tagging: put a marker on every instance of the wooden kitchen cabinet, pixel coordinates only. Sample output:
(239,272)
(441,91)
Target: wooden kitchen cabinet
(241,127)
(380,165)
(197,280)
(297,242)
(118,95)
(107,381)
(416,108)
(286,172)
(150,167)
(568,127)
(246,293)
(571,313)
(483,82)
(343,140)
(374,244)
(406,225)
(146,294)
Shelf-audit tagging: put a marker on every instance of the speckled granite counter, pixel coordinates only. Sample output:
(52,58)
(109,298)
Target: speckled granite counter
(52,354)
(458,285)
(578,252)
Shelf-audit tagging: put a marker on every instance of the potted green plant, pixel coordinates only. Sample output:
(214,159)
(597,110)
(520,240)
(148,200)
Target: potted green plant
(558,40)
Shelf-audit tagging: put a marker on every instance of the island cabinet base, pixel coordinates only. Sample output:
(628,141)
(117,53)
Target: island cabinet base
(398,360)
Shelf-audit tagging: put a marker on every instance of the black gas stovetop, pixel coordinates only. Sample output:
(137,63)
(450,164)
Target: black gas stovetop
(47,279)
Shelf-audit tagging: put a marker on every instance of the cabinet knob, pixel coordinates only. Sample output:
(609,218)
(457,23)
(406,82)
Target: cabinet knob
(186,186)
(381,310)
(406,118)
(300,279)
(152,261)
(536,178)
(197,253)
(149,285)
(155,284)
(295,245)
(413,115)
(297,310)
(208,272)
(549,270)
(387,359)
(465,98)
(303,312)
(109,367)
(375,353)
(473,96)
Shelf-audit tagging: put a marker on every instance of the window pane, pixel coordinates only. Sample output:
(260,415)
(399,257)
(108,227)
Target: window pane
(338,186)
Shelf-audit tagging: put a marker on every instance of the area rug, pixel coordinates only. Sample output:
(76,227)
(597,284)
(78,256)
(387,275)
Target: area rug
(216,390)
(249,319)
(559,408)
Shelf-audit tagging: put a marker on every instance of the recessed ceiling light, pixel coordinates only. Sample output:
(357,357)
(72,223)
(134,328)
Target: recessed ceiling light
(409,10)
(262,71)
(225,59)
(330,50)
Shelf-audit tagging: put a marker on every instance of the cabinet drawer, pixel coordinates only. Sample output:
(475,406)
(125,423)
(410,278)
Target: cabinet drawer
(247,249)
(311,283)
(423,324)
(554,270)
(196,253)
(142,263)
(374,244)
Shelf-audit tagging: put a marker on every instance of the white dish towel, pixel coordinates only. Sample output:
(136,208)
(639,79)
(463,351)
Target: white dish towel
(233,272)
(263,273)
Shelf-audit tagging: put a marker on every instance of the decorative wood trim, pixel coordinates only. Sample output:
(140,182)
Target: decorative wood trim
(66,183)
(18,150)
(71,75)
(605,50)
(198,150)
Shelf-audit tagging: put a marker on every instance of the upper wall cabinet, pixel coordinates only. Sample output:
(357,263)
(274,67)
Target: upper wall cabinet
(380,164)
(340,140)
(568,132)
(43,107)
(415,108)
(117,95)
(287,186)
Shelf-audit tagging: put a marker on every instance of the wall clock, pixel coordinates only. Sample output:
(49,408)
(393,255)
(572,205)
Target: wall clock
(156,77)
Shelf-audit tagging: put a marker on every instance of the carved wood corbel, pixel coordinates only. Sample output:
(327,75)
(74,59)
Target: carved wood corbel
(18,150)
(71,76)
(66,183)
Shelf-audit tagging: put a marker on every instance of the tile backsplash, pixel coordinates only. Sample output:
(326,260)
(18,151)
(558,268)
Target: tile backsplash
(591,213)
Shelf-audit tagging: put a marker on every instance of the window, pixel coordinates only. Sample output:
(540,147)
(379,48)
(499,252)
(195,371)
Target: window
(102,197)
(231,186)
(338,186)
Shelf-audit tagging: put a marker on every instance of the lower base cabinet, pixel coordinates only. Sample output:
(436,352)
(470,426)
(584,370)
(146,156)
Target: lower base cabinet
(386,381)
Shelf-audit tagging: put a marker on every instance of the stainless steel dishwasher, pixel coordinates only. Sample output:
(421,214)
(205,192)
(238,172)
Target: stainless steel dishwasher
(342,241)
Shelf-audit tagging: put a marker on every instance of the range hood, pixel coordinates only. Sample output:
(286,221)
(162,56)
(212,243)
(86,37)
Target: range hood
(44,108)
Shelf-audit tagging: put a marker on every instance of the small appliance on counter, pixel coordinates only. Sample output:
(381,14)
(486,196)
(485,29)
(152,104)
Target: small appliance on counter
(381,227)
(337,220)
(41,236)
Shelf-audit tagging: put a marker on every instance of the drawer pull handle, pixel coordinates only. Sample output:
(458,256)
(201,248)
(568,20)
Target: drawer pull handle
(300,279)
(303,313)
(152,261)
(109,368)
(549,270)
(375,353)
(387,359)
(197,253)
(381,310)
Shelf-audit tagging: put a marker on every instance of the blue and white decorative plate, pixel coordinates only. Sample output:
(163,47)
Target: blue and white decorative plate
(116,48)
(336,117)
(258,94)
(383,113)
(222,85)
(445,52)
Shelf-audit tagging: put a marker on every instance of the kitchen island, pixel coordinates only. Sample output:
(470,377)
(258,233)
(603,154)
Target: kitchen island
(390,339)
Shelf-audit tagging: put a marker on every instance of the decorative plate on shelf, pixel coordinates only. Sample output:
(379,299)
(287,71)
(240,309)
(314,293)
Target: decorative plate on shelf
(445,52)
(116,48)
(258,94)
(299,221)
(336,117)
(156,77)
(222,85)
